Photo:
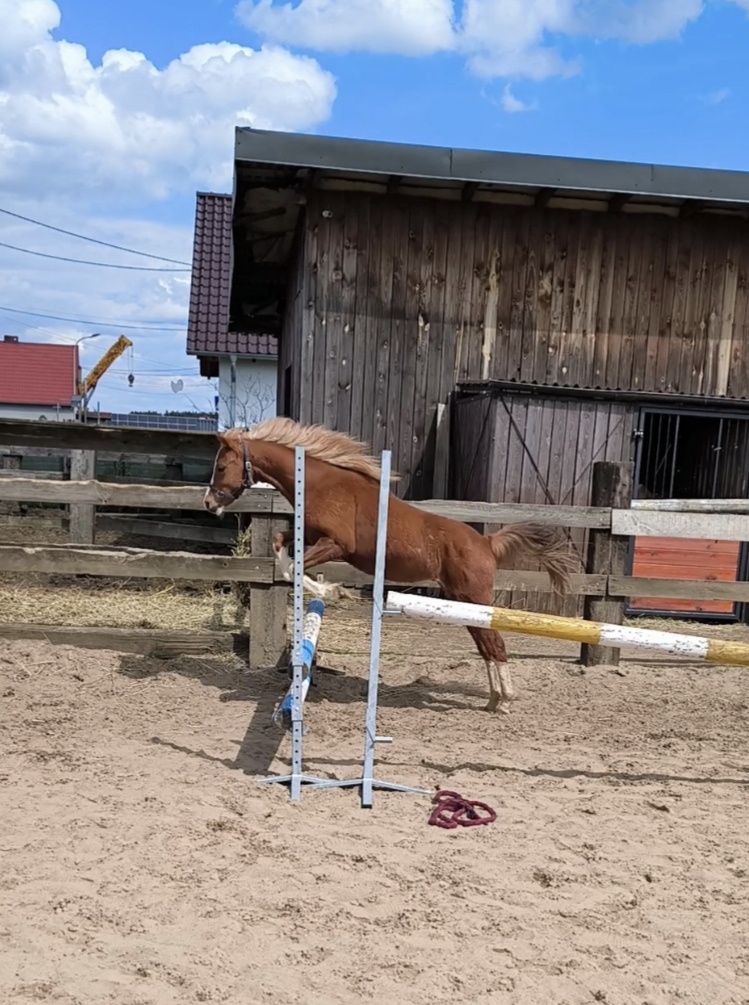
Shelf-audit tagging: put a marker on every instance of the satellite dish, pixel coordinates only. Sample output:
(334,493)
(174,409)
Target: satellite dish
(177,386)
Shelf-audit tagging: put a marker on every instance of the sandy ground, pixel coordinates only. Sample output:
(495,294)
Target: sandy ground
(141,863)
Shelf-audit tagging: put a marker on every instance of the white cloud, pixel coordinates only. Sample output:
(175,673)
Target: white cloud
(638,21)
(129,127)
(498,38)
(512,104)
(508,38)
(407,27)
(717,97)
(99,147)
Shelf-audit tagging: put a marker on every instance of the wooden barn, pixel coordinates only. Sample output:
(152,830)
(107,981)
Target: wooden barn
(503,321)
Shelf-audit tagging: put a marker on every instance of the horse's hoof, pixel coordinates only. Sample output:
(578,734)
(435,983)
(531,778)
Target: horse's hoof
(499,708)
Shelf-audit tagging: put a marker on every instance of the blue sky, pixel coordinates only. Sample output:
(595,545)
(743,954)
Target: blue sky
(115,145)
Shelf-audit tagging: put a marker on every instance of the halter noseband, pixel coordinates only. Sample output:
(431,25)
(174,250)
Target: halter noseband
(234,494)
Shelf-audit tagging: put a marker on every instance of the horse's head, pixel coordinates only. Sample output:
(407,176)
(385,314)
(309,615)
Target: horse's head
(232,472)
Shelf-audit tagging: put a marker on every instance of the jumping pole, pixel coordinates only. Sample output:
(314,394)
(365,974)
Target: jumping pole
(552,626)
(311,633)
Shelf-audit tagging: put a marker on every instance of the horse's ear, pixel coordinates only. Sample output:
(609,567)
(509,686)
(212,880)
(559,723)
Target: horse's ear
(221,437)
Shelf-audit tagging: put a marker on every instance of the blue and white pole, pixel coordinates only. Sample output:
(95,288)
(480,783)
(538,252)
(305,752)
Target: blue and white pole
(310,635)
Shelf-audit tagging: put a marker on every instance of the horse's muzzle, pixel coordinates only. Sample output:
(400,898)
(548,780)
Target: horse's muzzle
(212,502)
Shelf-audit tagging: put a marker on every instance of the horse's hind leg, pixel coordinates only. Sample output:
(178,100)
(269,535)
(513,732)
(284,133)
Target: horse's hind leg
(479,589)
(491,647)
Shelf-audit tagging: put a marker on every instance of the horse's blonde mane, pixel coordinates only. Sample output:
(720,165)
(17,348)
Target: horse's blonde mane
(338,449)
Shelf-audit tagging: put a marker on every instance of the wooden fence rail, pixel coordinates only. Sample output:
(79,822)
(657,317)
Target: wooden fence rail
(189,497)
(146,564)
(722,526)
(112,439)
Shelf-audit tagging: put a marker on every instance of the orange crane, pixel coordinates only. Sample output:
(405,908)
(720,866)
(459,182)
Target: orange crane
(87,384)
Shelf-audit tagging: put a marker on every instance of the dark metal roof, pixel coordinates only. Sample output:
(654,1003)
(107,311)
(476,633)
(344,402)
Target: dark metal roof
(527,172)
(208,325)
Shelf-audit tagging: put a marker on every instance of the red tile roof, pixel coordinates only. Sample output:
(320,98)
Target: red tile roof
(37,373)
(208,325)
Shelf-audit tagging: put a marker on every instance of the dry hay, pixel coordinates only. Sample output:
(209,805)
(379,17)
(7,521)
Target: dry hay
(242,548)
(118,604)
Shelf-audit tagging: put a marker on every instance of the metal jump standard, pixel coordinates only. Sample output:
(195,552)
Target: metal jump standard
(291,709)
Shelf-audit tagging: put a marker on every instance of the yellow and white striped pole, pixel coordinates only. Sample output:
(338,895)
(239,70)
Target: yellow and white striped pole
(551,626)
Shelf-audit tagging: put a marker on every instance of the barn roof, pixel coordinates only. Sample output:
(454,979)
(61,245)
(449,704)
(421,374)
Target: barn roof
(37,373)
(454,167)
(208,323)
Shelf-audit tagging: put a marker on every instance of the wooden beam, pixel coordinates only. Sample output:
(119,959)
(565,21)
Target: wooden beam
(117,439)
(441,477)
(607,555)
(47,476)
(692,505)
(706,526)
(168,531)
(157,642)
(266,501)
(618,201)
(62,453)
(691,208)
(505,579)
(544,197)
(393,184)
(185,497)
(468,191)
(506,513)
(269,636)
(132,562)
(678,589)
(81,526)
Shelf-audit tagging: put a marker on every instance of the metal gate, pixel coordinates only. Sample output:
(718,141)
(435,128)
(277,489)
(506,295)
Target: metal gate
(700,455)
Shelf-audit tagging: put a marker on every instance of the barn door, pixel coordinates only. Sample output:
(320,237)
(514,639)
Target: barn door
(690,455)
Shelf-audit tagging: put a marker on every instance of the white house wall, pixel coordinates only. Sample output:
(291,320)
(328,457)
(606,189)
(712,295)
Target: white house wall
(50,413)
(252,396)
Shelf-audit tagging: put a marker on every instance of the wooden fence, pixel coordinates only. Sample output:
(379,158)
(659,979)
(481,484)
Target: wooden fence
(604,585)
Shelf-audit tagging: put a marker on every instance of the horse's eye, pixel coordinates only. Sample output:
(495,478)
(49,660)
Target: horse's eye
(221,467)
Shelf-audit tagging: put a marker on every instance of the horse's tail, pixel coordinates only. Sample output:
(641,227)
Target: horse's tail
(547,544)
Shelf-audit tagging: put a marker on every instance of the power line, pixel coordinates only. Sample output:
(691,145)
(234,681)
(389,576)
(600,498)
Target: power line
(94,240)
(158,373)
(146,326)
(86,261)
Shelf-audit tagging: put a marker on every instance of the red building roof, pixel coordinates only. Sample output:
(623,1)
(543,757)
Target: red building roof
(208,325)
(37,373)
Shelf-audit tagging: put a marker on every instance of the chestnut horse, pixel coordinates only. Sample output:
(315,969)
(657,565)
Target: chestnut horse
(341,502)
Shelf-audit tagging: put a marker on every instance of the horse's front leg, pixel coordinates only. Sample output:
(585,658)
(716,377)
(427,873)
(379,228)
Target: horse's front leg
(323,550)
(281,540)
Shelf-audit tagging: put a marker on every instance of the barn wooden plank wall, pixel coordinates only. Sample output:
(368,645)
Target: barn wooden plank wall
(516,448)
(401,298)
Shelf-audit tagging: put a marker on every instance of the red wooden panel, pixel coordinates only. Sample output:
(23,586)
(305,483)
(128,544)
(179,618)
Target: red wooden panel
(673,558)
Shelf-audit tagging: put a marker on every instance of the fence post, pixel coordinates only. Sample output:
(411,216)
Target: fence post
(82,515)
(269,641)
(607,555)
(11,462)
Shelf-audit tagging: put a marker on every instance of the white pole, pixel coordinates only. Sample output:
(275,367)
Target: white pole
(572,629)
